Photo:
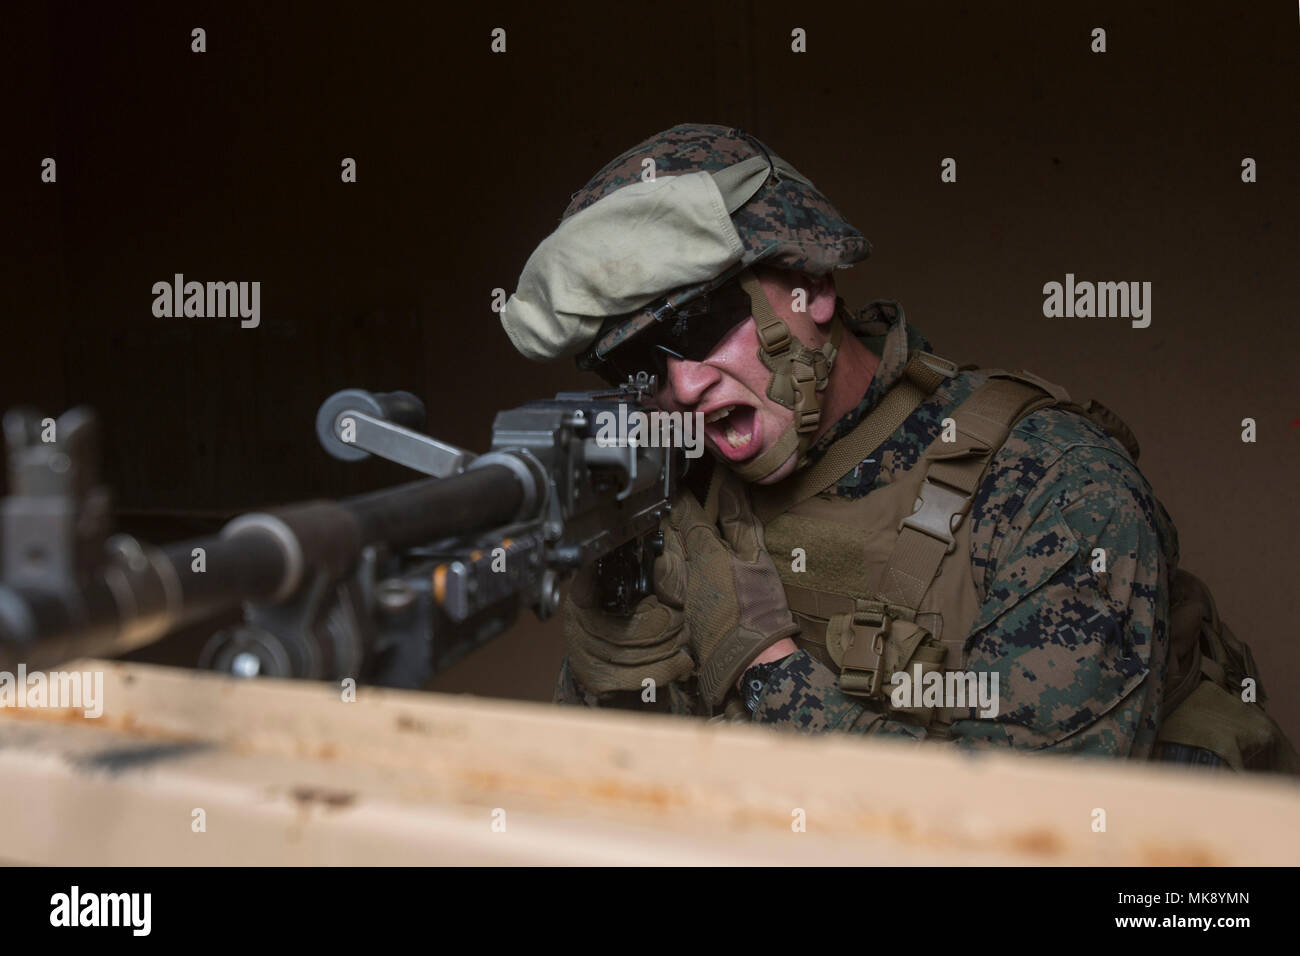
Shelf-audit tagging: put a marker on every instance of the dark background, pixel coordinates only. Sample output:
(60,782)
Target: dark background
(225,166)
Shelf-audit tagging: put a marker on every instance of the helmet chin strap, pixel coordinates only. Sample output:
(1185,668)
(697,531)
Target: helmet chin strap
(799,376)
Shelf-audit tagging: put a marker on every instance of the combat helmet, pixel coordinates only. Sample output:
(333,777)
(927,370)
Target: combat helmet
(645,254)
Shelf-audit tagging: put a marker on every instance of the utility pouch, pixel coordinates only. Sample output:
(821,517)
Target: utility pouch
(1205,713)
(875,641)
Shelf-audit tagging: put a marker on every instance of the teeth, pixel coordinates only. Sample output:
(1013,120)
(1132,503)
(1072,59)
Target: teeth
(735,439)
(719,414)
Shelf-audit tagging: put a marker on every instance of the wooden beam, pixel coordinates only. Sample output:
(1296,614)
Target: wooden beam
(289,773)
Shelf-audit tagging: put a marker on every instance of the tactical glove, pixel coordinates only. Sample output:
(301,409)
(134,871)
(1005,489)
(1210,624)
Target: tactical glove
(608,652)
(734,602)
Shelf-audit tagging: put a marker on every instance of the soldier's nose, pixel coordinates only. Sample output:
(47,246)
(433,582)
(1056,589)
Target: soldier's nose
(690,380)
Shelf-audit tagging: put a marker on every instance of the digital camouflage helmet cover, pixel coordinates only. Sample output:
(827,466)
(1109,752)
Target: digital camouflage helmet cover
(648,246)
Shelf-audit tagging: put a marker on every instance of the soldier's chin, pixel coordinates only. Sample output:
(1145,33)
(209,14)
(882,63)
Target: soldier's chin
(781,473)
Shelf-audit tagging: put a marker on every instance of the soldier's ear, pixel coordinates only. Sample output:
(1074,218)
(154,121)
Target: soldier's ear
(821,297)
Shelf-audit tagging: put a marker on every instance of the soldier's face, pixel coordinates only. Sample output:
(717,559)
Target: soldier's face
(729,385)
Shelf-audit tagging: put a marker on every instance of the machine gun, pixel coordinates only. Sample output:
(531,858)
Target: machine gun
(385,588)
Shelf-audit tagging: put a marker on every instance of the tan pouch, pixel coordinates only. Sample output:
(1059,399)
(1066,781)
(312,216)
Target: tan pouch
(874,642)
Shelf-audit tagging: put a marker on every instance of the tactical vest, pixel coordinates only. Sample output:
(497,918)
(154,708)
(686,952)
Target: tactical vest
(888,586)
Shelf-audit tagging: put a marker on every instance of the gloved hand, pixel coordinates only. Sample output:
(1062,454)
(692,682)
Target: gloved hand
(735,604)
(609,652)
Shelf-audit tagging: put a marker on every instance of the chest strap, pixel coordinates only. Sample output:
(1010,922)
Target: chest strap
(956,468)
(922,375)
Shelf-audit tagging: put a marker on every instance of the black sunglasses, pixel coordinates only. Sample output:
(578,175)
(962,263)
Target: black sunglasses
(690,333)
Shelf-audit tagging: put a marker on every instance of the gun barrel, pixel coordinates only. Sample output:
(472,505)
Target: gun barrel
(143,593)
(423,511)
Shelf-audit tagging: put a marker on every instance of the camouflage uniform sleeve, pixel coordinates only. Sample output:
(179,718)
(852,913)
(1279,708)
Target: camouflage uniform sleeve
(1078,652)
(804,694)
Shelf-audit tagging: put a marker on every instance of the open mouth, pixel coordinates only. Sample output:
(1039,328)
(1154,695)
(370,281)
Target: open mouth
(734,431)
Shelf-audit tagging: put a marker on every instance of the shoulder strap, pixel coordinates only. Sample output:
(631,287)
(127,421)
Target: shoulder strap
(955,470)
(922,375)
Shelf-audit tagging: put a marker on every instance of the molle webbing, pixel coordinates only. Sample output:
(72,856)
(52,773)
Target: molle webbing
(886,622)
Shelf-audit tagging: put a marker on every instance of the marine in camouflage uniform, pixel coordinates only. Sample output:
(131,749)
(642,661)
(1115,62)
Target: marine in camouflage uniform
(1080,653)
